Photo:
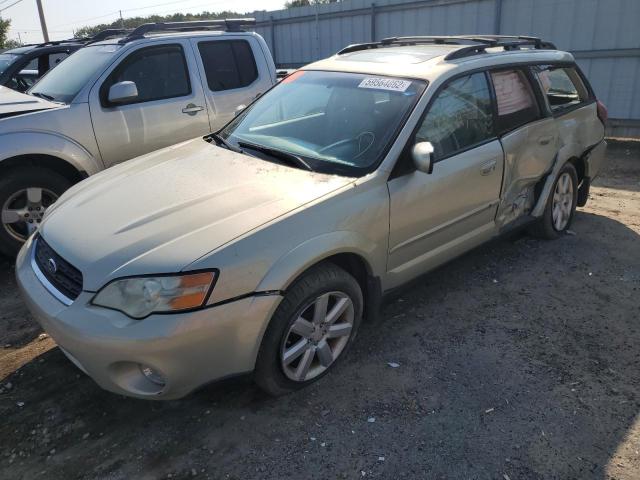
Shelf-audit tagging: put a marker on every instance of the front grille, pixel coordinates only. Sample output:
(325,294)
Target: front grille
(66,278)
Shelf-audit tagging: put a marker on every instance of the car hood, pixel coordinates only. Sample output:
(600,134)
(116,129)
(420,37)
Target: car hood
(162,211)
(14,103)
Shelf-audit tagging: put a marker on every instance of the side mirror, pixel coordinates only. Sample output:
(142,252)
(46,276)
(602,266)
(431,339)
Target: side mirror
(239,110)
(123,92)
(422,154)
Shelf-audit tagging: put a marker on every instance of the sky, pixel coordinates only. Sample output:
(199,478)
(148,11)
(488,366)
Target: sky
(63,16)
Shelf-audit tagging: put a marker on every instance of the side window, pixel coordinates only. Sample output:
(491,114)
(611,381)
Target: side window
(228,64)
(56,58)
(517,104)
(158,72)
(459,117)
(562,86)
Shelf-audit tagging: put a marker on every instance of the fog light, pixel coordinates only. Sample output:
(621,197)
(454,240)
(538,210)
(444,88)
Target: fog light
(153,375)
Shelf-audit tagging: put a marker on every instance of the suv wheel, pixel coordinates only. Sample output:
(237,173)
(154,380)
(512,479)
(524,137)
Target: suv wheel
(24,197)
(561,205)
(310,331)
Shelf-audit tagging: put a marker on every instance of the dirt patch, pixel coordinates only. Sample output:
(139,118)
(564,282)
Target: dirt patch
(519,360)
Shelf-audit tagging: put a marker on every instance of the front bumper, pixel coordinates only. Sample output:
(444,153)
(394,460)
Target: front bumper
(187,349)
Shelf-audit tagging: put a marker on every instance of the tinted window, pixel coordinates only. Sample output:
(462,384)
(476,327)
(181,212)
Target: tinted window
(56,58)
(459,117)
(158,72)
(228,64)
(6,59)
(517,104)
(562,86)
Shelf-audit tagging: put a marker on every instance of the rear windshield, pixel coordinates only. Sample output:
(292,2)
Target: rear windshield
(6,59)
(64,82)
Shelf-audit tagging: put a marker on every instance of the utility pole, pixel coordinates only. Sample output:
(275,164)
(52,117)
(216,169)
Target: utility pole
(121,20)
(19,39)
(43,23)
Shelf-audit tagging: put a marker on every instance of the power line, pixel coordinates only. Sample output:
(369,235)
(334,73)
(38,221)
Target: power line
(7,8)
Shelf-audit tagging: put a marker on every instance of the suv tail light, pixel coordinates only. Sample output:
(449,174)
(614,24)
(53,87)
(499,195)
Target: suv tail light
(603,114)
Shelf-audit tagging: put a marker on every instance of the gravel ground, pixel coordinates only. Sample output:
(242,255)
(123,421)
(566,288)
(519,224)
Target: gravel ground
(519,360)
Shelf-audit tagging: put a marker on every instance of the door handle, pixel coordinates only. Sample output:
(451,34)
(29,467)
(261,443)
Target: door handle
(545,140)
(192,109)
(488,167)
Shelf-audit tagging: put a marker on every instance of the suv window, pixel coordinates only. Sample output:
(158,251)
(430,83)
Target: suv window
(158,72)
(562,86)
(228,64)
(460,116)
(515,100)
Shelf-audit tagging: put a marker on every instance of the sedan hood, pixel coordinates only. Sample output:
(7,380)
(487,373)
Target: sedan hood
(162,211)
(14,103)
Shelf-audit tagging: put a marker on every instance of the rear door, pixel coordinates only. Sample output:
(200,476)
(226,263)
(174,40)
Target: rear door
(439,215)
(169,109)
(234,72)
(529,139)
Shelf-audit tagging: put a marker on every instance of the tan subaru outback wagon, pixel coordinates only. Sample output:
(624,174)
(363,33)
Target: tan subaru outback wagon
(262,247)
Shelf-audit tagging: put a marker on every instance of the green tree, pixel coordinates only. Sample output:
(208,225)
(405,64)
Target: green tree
(4,29)
(306,3)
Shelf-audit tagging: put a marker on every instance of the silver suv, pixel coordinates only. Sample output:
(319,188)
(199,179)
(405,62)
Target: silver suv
(114,100)
(261,248)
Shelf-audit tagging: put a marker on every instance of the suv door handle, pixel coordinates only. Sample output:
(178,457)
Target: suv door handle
(192,109)
(545,140)
(488,167)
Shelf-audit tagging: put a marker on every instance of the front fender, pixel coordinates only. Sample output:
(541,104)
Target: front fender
(291,265)
(15,144)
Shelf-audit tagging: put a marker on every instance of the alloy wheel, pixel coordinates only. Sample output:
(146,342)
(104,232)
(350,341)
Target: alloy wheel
(318,336)
(22,212)
(562,202)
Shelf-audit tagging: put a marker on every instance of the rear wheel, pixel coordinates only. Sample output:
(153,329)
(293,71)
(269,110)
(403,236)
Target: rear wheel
(561,205)
(25,194)
(310,331)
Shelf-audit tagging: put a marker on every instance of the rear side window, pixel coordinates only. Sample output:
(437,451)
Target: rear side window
(515,100)
(228,64)
(460,116)
(158,72)
(562,86)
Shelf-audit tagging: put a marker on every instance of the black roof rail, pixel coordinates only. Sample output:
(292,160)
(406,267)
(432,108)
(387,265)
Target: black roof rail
(471,44)
(227,24)
(108,33)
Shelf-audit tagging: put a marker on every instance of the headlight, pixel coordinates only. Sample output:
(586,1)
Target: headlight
(142,296)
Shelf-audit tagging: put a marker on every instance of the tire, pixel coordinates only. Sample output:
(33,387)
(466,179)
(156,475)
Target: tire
(14,201)
(548,227)
(278,371)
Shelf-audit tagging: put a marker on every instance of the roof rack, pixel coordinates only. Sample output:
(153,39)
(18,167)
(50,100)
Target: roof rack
(108,33)
(471,44)
(227,24)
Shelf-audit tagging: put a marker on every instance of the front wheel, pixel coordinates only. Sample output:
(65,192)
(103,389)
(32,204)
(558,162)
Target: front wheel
(25,194)
(311,329)
(561,205)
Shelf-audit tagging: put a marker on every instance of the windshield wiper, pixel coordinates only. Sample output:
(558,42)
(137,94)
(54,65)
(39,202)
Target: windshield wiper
(287,157)
(221,141)
(43,95)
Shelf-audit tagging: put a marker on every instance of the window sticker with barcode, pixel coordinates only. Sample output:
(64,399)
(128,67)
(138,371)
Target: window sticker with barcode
(393,84)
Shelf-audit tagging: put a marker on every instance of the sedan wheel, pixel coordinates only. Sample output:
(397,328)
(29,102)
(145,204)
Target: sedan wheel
(562,205)
(310,331)
(318,336)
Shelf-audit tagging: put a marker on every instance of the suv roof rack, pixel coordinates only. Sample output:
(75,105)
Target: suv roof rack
(471,44)
(227,25)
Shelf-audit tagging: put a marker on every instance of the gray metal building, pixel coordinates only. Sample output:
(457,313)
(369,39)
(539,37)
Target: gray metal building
(604,35)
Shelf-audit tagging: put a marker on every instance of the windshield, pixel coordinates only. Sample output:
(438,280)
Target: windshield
(63,83)
(337,122)
(6,59)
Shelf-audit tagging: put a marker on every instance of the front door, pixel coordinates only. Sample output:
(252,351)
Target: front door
(170,106)
(439,215)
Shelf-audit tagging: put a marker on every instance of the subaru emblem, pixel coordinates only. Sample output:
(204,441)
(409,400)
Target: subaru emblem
(52,266)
